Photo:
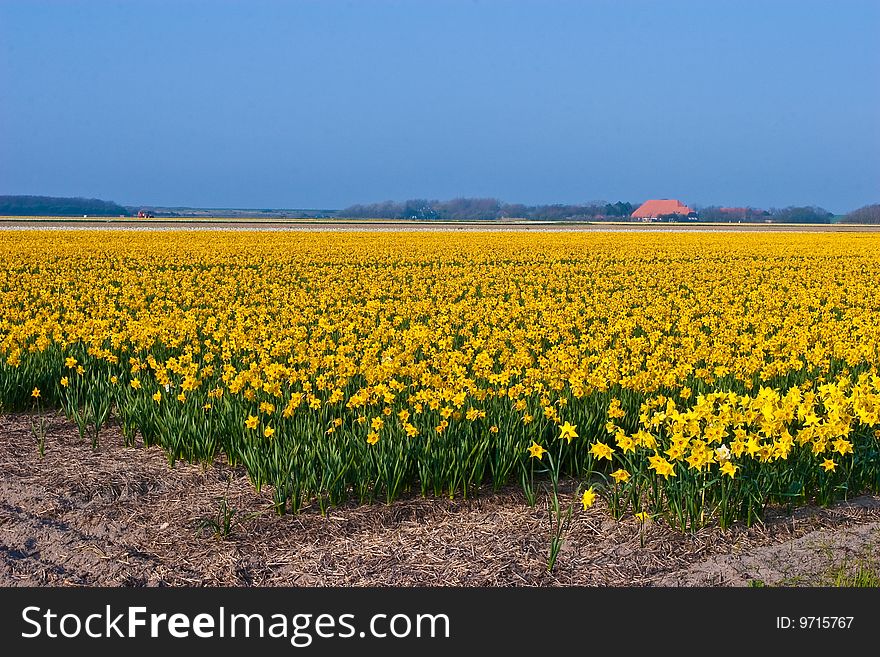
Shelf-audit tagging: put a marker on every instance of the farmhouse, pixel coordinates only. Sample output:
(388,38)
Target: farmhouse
(660,208)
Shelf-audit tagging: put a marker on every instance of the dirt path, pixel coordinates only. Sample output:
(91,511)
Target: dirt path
(122,516)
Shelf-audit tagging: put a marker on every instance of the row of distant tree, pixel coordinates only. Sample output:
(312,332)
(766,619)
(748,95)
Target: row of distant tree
(489,209)
(486,209)
(789,215)
(464,209)
(868,214)
(53,206)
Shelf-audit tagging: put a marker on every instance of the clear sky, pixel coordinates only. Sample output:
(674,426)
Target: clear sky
(324,103)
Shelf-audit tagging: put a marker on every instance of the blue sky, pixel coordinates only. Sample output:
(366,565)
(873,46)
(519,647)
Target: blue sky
(321,104)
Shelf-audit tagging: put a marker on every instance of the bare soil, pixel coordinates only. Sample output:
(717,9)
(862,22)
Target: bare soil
(121,516)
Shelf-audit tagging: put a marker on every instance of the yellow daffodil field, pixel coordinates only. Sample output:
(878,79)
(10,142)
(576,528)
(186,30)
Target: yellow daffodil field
(696,377)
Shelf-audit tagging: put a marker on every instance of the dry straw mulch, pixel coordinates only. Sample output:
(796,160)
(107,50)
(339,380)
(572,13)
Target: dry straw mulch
(120,516)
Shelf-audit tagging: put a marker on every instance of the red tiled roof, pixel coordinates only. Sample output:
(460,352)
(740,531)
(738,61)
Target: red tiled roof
(660,207)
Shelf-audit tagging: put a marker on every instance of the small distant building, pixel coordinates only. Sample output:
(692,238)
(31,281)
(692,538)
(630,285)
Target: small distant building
(656,209)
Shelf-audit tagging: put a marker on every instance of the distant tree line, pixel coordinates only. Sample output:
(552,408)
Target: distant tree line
(489,209)
(52,206)
(459,209)
(721,214)
(788,215)
(868,214)
(801,215)
(486,209)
